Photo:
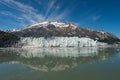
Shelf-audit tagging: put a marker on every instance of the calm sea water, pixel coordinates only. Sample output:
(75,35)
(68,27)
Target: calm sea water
(60,64)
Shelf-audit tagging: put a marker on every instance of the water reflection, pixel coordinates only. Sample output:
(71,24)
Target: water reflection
(55,59)
(58,52)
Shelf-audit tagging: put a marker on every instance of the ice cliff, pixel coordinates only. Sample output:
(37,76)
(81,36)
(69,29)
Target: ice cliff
(28,42)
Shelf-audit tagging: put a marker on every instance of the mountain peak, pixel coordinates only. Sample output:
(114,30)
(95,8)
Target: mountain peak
(50,29)
(54,23)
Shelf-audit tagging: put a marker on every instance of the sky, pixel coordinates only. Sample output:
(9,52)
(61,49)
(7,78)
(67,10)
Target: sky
(94,14)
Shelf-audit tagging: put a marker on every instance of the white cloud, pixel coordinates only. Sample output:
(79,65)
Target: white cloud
(31,15)
(50,4)
(27,12)
(95,18)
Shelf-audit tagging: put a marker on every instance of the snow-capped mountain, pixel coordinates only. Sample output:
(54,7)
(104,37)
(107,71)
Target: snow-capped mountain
(48,29)
(63,29)
(55,34)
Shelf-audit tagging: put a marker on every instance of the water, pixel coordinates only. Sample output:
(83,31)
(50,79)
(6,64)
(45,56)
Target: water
(60,64)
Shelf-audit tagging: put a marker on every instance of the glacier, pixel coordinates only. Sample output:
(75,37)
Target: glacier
(30,42)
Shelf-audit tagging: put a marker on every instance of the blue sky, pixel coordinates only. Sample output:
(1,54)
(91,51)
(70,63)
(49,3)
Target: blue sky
(95,14)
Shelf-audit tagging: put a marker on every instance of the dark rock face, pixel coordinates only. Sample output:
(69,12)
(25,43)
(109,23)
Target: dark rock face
(50,30)
(8,39)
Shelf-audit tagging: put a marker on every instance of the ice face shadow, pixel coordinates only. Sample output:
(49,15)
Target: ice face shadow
(55,59)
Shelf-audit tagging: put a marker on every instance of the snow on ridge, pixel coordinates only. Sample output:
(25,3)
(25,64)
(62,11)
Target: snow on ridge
(39,24)
(55,23)
(45,23)
(14,30)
